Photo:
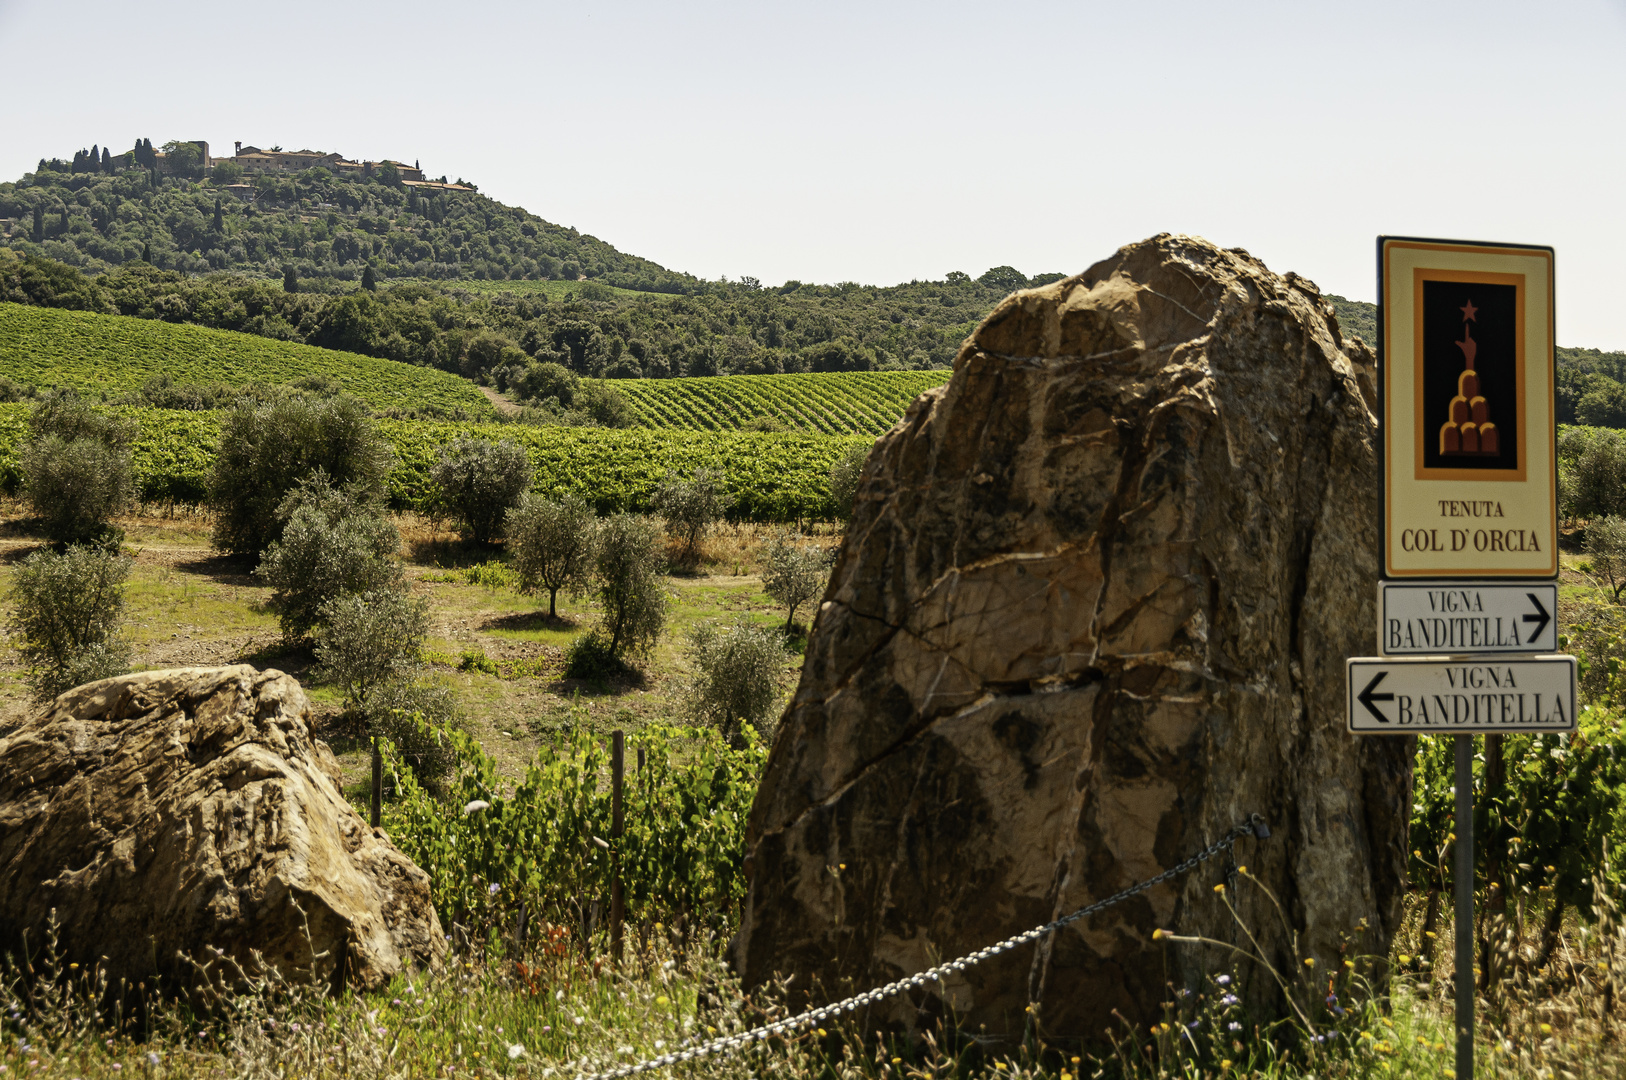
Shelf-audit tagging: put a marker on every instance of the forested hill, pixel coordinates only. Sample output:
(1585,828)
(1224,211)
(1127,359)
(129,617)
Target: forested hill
(1591,383)
(329,229)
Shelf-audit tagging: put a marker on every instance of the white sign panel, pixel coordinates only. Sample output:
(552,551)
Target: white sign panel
(1431,618)
(1439,696)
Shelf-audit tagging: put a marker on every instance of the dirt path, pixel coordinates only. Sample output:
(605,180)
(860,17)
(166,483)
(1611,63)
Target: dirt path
(503,405)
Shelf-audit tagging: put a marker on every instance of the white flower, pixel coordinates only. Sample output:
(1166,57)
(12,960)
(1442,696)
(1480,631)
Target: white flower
(477,804)
(660,1044)
(516,1051)
(559,995)
(580,1020)
(623,1049)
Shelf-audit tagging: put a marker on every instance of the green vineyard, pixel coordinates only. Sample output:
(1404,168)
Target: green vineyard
(826,403)
(773,477)
(114,354)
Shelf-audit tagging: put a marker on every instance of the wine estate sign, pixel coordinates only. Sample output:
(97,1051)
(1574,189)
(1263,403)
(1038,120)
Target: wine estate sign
(1466,387)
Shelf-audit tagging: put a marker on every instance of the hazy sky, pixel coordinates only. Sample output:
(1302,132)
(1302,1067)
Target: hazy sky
(878,142)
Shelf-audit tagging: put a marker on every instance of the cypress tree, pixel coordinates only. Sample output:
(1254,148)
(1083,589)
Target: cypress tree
(39,223)
(220,218)
(107,161)
(369,280)
(146,253)
(290,280)
(93,160)
(62,225)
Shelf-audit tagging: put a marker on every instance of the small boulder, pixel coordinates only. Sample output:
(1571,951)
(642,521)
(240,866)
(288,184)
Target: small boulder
(191,810)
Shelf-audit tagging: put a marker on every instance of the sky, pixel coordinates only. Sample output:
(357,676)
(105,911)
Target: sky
(881,142)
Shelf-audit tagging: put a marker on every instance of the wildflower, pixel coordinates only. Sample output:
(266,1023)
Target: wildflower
(546,1028)
(580,1020)
(397,1001)
(1229,999)
(1233,1026)
(1220,888)
(558,995)
(152,1057)
(1226,1064)
(1000,1065)
(1224,980)
(1404,959)
(663,1000)
(1309,961)
(477,804)
(515,1051)
(660,1044)
(1350,964)
(821,1033)
(494,890)
(1431,935)
(1159,935)
(1546,1029)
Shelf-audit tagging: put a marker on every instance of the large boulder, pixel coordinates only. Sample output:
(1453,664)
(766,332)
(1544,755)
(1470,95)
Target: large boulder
(1091,612)
(189,811)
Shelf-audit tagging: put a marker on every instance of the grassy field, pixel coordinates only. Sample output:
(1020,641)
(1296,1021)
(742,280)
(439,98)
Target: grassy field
(829,403)
(114,354)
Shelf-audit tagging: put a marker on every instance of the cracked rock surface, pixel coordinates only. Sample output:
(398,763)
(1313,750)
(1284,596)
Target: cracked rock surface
(189,810)
(1093,610)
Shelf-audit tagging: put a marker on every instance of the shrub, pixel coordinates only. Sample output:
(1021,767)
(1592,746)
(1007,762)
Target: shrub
(76,467)
(796,573)
(67,609)
(333,542)
(369,639)
(415,715)
(690,506)
(267,449)
(589,658)
(604,405)
(1606,544)
(844,476)
(543,380)
(626,576)
(1592,473)
(736,677)
(551,544)
(477,481)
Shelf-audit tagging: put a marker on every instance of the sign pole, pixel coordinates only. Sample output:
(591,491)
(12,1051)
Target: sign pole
(1465,905)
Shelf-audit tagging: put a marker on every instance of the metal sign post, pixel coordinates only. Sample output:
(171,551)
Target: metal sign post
(1469,527)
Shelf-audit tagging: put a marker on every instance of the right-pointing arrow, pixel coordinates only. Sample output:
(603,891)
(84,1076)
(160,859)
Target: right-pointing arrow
(1541,618)
(1367,697)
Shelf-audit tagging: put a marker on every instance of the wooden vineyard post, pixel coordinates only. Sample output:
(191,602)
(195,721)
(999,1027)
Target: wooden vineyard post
(378,784)
(618,748)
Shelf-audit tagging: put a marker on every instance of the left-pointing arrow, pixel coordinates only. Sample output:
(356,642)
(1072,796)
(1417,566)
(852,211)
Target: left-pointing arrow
(1367,697)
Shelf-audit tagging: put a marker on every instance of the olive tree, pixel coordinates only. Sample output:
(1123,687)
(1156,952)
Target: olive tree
(67,609)
(690,505)
(551,546)
(844,475)
(1606,549)
(477,481)
(333,542)
(736,675)
(631,593)
(76,467)
(369,639)
(266,449)
(796,573)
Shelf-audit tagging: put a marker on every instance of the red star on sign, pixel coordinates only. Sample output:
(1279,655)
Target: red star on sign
(1468,311)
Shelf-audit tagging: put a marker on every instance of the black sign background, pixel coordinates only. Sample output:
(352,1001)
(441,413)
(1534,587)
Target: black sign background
(1495,328)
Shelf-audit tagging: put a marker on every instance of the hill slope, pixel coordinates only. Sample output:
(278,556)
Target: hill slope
(114,354)
(323,226)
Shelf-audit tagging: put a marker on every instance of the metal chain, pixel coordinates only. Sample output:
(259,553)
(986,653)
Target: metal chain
(1254,826)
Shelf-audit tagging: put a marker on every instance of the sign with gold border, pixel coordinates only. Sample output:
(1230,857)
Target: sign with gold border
(1466,409)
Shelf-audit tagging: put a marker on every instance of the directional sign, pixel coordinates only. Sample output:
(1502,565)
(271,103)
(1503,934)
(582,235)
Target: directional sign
(1428,618)
(1440,696)
(1467,409)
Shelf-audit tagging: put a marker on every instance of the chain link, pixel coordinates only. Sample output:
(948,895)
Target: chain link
(1254,826)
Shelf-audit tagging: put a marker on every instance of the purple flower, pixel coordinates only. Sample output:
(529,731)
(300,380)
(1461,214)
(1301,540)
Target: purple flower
(494,890)
(1224,980)
(1229,999)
